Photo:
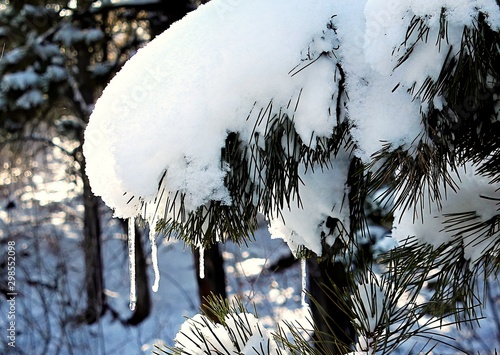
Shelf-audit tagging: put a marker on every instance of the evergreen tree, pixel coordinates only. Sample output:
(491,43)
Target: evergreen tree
(437,171)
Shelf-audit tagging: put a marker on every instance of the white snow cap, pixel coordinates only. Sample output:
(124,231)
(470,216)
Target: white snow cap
(321,197)
(172,105)
(435,225)
(168,112)
(242,333)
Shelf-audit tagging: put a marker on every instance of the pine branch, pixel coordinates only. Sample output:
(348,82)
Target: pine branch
(410,176)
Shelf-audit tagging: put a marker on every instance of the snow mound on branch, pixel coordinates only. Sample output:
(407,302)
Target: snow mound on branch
(437,223)
(321,194)
(172,105)
(242,333)
(384,103)
(164,118)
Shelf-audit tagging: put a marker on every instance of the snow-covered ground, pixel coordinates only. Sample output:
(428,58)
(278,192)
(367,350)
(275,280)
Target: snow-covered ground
(41,210)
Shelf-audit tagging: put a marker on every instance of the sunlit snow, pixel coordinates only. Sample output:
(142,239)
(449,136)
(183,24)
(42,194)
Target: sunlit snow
(199,335)
(183,93)
(165,116)
(439,222)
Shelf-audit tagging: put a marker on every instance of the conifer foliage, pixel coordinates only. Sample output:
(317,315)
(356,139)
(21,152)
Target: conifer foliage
(307,109)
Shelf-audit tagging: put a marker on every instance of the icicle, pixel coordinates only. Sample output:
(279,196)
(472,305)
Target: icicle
(154,258)
(202,262)
(131,262)
(303,269)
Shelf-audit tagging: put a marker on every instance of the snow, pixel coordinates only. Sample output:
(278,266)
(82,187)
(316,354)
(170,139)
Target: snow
(154,94)
(250,267)
(434,224)
(50,254)
(100,69)
(93,35)
(236,63)
(21,80)
(160,124)
(14,56)
(373,35)
(31,10)
(321,195)
(68,34)
(369,300)
(28,82)
(30,99)
(47,50)
(199,335)
(55,73)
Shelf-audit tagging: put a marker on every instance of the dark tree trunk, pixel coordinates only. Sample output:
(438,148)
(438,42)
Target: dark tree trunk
(328,279)
(83,91)
(335,332)
(171,11)
(214,281)
(143,305)
(92,251)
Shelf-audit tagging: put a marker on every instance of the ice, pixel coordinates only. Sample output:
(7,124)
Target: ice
(154,258)
(201,250)
(131,260)
(303,269)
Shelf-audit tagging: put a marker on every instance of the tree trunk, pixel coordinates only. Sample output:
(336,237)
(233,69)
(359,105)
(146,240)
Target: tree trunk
(335,330)
(143,305)
(92,251)
(214,281)
(334,333)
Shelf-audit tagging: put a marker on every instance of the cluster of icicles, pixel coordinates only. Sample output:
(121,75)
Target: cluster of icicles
(156,269)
